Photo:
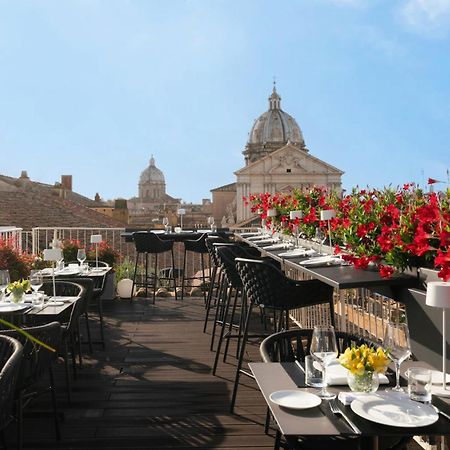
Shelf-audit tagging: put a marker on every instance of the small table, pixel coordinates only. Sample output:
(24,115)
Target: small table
(319,421)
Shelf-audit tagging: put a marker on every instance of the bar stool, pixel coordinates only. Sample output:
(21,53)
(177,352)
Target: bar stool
(214,273)
(269,288)
(198,247)
(146,244)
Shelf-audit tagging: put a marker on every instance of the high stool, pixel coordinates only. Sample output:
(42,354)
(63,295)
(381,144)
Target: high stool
(215,275)
(148,243)
(198,247)
(269,288)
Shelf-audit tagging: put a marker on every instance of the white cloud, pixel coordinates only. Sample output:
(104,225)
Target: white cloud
(428,17)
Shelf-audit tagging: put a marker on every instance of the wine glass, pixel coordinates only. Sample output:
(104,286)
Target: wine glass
(4,281)
(396,342)
(165,222)
(319,237)
(81,256)
(36,282)
(210,221)
(325,350)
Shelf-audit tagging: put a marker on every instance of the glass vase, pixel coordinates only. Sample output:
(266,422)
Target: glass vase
(17,296)
(367,382)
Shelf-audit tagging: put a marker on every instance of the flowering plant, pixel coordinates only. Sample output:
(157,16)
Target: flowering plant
(18,288)
(106,253)
(13,260)
(70,248)
(391,228)
(362,359)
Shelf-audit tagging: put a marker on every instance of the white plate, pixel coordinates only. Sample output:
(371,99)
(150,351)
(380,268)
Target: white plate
(12,307)
(67,271)
(395,411)
(54,303)
(295,399)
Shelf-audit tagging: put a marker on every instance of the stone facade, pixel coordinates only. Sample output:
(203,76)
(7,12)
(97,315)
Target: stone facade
(276,160)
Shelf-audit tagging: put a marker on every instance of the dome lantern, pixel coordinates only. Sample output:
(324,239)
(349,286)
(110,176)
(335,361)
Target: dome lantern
(272,130)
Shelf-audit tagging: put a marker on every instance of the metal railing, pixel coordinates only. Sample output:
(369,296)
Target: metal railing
(42,237)
(13,236)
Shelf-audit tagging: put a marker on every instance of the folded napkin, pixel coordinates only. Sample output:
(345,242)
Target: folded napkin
(258,237)
(278,246)
(297,252)
(347,397)
(436,376)
(337,375)
(321,261)
(46,271)
(265,241)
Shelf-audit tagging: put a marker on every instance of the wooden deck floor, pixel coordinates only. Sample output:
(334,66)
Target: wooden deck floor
(152,388)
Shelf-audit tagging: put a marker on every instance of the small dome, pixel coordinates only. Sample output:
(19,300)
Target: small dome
(275,126)
(152,174)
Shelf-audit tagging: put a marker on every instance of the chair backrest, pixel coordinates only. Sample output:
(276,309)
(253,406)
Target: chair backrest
(286,346)
(197,245)
(71,289)
(267,286)
(226,255)
(36,359)
(295,344)
(147,242)
(10,360)
(209,242)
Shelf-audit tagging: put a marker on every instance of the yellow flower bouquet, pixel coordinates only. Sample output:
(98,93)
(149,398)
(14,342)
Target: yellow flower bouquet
(17,289)
(364,363)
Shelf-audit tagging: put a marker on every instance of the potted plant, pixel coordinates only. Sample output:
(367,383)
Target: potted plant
(17,289)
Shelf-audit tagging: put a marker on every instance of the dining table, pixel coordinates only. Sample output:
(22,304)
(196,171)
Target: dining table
(29,313)
(305,419)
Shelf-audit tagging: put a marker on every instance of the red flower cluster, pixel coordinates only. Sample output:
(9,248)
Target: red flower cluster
(393,228)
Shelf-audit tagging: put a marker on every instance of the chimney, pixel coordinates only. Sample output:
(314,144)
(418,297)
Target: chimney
(66,182)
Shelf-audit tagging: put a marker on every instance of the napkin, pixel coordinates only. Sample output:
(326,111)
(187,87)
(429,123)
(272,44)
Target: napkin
(278,246)
(297,252)
(337,375)
(265,241)
(347,397)
(258,237)
(320,261)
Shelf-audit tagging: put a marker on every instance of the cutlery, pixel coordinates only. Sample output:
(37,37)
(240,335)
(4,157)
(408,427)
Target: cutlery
(299,364)
(337,411)
(442,413)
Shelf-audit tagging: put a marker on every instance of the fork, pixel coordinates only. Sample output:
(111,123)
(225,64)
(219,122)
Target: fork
(337,411)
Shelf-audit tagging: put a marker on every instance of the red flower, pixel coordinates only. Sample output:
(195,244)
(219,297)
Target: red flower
(386,271)
(433,181)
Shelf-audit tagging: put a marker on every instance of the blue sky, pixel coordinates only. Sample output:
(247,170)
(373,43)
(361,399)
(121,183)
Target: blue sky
(94,88)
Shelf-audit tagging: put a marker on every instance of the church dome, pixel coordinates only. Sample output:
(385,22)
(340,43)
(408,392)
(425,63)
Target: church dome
(152,174)
(275,126)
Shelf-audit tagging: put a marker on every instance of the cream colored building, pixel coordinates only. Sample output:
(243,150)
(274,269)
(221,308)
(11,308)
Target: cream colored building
(277,160)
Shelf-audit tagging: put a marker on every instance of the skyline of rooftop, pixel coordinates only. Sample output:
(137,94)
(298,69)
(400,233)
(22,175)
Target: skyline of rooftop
(93,89)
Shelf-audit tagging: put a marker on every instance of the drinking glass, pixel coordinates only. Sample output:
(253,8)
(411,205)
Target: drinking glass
(36,282)
(81,255)
(4,281)
(419,384)
(319,237)
(324,349)
(396,342)
(165,222)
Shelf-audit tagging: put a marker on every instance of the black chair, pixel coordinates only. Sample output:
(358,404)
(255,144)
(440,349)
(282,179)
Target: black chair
(196,247)
(269,288)
(10,360)
(94,300)
(216,275)
(292,345)
(70,329)
(146,244)
(37,362)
